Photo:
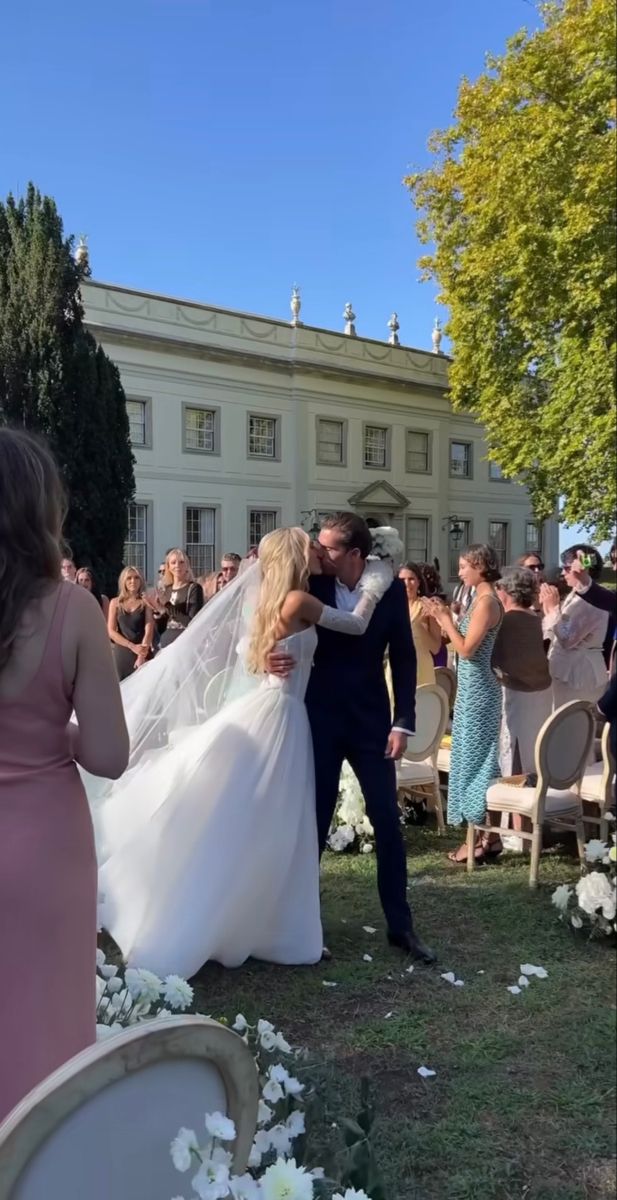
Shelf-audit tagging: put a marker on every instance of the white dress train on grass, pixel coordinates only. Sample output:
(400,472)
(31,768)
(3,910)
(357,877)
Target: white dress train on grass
(213,841)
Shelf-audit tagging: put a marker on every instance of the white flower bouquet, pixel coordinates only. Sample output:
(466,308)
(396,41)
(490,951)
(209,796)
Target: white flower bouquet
(592,903)
(351,828)
(387,546)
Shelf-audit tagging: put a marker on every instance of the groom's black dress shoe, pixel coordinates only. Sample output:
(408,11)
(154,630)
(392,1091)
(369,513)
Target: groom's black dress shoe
(410,944)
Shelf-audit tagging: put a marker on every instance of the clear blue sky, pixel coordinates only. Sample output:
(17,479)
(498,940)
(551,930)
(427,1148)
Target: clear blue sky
(222,150)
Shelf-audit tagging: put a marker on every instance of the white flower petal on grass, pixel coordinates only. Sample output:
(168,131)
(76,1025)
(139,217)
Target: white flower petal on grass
(351,1194)
(514,989)
(529,969)
(388,1015)
(328,983)
(459,983)
(267,1041)
(264,1027)
(240,1024)
(367,848)
(426,1072)
(177,993)
(409,971)
(281,1044)
(523,981)
(369,929)
(449,976)
(367,958)
(220,1127)
(184,1142)
(577,921)
(286,1181)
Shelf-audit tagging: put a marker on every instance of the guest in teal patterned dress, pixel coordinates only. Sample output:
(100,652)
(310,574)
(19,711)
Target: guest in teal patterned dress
(474,759)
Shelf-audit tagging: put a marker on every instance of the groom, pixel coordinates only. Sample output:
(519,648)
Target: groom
(349,712)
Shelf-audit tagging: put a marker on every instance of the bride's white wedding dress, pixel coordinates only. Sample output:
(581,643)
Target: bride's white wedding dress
(213,842)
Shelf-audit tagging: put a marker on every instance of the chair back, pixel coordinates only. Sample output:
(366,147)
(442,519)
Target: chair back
(608,768)
(431,720)
(101,1125)
(445,678)
(563,745)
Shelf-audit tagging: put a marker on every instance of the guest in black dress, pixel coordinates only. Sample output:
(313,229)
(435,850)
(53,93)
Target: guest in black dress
(181,597)
(130,624)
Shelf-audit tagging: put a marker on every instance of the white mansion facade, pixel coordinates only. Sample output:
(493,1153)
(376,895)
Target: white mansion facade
(240,423)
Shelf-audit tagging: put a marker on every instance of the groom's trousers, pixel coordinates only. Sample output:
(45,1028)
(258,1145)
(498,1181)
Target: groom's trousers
(377,779)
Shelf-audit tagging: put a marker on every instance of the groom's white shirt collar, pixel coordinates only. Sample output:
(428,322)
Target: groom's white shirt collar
(346,600)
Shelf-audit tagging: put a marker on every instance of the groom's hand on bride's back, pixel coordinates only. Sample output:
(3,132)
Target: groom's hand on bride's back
(279,663)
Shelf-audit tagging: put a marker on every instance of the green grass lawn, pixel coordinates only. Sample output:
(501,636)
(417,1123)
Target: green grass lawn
(522,1105)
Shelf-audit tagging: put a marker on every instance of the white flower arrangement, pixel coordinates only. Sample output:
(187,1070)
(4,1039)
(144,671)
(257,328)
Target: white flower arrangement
(275,1171)
(592,903)
(129,996)
(351,828)
(387,545)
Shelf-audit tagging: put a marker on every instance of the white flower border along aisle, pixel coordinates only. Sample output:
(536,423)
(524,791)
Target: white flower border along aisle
(592,903)
(276,1170)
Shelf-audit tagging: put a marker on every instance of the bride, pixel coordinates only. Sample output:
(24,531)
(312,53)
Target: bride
(208,843)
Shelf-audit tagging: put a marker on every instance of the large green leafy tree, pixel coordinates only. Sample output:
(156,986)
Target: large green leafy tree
(55,380)
(517,208)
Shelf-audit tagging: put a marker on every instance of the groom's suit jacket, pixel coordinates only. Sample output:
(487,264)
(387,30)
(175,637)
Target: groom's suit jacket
(348,673)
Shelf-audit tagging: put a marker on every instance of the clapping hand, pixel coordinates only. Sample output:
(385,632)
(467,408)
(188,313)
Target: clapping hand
(549,597)
(434,607)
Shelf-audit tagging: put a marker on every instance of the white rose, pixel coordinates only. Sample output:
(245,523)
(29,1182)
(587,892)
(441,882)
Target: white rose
(595,850)
(594,891)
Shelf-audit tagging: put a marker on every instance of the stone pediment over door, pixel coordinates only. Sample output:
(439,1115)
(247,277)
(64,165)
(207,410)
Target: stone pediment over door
(380,495)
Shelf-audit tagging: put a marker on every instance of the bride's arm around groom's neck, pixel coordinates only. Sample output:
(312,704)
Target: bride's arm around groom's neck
(402,657)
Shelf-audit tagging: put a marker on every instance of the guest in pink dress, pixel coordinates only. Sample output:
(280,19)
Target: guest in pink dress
(54,658)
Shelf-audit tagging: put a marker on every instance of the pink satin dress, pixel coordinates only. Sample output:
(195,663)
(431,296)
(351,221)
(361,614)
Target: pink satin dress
(48,881)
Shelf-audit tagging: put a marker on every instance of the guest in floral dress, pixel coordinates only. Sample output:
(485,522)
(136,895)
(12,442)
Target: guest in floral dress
(474,759)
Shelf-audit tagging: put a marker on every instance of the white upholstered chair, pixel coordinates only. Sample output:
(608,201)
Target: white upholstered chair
(417,771)
(562,751)
(598,786)
(445,678)
(100,1127)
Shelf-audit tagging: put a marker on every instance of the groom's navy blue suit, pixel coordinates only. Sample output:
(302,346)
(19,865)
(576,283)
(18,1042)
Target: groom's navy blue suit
(350,716)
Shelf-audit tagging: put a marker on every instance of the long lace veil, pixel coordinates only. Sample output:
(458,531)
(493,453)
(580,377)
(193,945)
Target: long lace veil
(189,681)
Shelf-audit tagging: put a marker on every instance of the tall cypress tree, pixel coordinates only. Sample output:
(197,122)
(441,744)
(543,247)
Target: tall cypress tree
(55,380)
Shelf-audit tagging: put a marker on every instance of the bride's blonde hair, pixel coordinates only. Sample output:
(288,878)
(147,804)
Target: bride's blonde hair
(284,561)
